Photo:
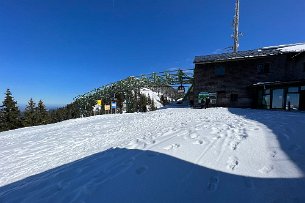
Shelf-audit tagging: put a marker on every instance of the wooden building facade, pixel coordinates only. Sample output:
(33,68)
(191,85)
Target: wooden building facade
(272,78)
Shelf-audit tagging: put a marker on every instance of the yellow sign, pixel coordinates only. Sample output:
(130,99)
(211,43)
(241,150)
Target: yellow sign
(99,102)
(107,107)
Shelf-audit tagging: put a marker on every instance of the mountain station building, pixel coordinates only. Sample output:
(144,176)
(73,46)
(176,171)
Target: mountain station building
(269,78)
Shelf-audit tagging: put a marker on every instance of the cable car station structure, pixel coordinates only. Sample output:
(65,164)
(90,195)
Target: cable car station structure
(176,79)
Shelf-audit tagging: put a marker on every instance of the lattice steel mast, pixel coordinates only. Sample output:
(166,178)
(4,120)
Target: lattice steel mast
(236,26)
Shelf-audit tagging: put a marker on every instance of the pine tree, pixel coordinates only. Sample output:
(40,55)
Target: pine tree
(73,110)
(148,100)
(42,114)
(152,105)
(163,100)
(120,101)
(130,99)
(52,115)
(30,114)
(9,113)
(143,103)
(135,102)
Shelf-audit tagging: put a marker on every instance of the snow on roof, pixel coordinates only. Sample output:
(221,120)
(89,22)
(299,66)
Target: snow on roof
(282,46)
(294,48)
(261,52)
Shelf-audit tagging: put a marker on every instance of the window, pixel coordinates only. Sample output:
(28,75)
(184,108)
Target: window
(267,91)
(219,71)
(260,68)
(277,98)
(293,89)
(263,68)
(304,67)
(234,97)
(302,87)
(292,101)
(266,67)
(266,99)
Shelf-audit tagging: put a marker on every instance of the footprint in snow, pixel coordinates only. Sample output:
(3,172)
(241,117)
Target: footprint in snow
(234,144)
(273,154)
(141,170)
(232,163)
(198,142)
(213,183)
(214,130)
(137,144)
(193,135)
(172,147)
(152,154)
(248,182)
(266,169)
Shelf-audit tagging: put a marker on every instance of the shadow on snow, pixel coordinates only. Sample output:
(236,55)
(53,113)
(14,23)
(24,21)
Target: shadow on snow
(124,175)
(289,128)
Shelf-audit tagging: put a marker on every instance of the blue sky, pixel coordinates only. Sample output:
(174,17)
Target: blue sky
(55,50)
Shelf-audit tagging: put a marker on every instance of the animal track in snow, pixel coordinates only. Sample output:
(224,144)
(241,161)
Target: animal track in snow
(172,147)
(232,163)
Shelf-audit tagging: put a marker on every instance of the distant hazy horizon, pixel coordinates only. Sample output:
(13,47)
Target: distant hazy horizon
(49,107)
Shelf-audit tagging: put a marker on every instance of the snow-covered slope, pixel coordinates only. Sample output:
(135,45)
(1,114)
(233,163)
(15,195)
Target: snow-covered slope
(153,95)
(170,155)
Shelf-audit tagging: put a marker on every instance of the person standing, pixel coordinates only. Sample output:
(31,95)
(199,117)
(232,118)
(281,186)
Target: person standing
(207,102)
(202,103)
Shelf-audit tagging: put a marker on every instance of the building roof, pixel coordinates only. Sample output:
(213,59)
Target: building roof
(261,52)
(293,82)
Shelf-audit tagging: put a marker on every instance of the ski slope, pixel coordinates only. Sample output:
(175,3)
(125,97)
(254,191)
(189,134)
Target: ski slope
(169,155)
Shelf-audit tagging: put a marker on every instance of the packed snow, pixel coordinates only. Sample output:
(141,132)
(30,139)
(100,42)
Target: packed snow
(169,155)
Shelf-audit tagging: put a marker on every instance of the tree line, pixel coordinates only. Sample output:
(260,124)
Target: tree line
(129,89)
(128,102)
(12,118)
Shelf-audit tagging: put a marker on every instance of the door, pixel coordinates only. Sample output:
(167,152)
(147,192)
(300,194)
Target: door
(302,100)
(221,99)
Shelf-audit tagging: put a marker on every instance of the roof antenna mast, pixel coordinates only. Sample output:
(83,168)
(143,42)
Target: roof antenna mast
(236,25)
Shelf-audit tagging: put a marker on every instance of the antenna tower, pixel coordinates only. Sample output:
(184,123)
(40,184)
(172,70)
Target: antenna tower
(236,26)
